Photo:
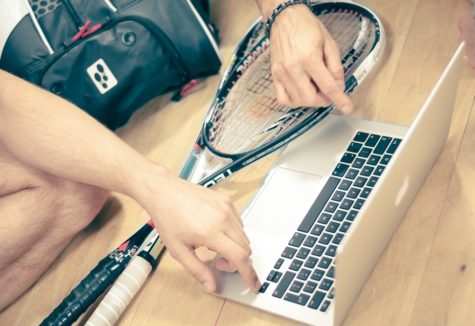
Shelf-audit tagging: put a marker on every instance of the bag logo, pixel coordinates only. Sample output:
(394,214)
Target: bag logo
(101,76)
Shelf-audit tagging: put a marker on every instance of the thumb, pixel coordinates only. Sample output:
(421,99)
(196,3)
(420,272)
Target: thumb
(202,273)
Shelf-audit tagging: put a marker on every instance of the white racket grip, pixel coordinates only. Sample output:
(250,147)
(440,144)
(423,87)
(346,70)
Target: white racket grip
(121,293)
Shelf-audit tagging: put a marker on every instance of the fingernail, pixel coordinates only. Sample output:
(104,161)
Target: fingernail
(206,286)
(258,286)
(346,109)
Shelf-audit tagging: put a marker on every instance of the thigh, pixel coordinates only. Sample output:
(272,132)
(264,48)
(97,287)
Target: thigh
(16,176)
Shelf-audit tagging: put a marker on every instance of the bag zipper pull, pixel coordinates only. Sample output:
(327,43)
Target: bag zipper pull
(85,31)
(186,89)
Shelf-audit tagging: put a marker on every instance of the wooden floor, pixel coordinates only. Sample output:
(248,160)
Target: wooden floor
(426,275)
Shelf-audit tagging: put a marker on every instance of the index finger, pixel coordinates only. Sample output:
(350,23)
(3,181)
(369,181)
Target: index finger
(327,84)
(240,259)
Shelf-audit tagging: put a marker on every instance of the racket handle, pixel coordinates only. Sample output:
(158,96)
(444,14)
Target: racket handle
(97,281)
(123,291)
(90,288)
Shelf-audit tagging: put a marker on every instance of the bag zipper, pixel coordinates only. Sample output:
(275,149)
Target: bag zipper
(74,14)
(156,31)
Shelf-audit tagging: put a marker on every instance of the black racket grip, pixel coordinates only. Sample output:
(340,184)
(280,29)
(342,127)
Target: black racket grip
(86,292)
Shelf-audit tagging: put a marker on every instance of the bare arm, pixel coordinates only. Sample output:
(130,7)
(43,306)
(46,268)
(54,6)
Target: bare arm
(53,135)
(306,66)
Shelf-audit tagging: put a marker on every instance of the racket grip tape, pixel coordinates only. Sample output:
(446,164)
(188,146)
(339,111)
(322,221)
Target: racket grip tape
(123,291)
(85,293)
(97,281)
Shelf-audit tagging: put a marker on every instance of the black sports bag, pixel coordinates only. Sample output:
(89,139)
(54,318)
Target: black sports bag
(108,57)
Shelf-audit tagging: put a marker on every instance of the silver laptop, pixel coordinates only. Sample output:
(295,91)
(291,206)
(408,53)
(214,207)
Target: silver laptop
(327,210)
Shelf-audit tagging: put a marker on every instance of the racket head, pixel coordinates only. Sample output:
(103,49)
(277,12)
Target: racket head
(245,118)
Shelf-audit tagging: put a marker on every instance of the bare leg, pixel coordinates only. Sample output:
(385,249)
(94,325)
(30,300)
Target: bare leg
(39,215)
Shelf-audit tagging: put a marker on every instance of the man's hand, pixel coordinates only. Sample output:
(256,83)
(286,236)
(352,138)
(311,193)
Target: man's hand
(306,64)
(189,216)
(466,25)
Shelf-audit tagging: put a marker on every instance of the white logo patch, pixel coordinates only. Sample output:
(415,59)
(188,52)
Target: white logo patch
(101,76)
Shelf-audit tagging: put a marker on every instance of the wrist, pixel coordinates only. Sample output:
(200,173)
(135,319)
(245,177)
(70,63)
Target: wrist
(148,178)
(281,9)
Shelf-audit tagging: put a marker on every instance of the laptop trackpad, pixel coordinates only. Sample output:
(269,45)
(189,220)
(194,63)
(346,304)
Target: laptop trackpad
(283,201)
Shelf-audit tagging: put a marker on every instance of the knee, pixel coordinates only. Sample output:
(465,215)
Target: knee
(79,205)
(73,205)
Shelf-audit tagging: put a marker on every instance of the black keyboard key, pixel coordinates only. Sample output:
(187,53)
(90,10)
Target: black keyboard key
(361,136)
(345,227)
(332,227)
(331,294)
(360,182)
(364,152)
(311,262)
(331,272)
(372,181)
(271,275)
(283,284)
(352,215)
(337,238)
(354,147)
(303,253)
(289,252)
(358,163)
(331,251)
(351,174)
(264,287)
(324,262)
(339,215)
(372,140)
(366,191)
(379,170)
(276,277)
(373,160)
(299,299)
(318,205)
(296,264)
(296,286)
(382,145)
(297,239)
(346,204)
(340,169)
(345,184)
(359,203)
(385,160)
(278,263)
(325,306)
(291,297)
(338,195)
(324,218)
(348,158)
(331,207)
(316,300)
(326,284)
(325,238)
(317,274)
(317,229)
(310,287)
(310,241)
(367,171)
(318,250)
(304,274)
(394,145)
(353,193)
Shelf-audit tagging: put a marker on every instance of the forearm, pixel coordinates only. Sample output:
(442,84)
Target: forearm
(53,135)
(266,6)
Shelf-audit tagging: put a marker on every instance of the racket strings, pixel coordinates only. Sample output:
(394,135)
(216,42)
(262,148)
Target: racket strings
(250,115)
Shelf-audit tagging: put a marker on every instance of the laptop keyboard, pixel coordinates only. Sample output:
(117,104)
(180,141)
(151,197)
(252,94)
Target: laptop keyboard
(304,274)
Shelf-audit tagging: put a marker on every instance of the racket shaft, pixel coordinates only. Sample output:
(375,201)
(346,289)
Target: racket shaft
(97,281)
(122,293)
